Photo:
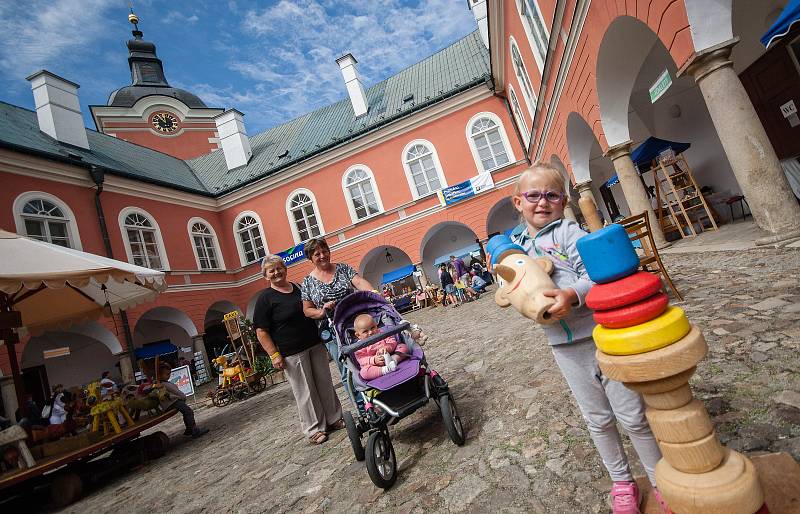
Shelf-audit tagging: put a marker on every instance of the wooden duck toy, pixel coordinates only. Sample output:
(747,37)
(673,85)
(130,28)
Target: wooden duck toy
(652,348)
(524,279)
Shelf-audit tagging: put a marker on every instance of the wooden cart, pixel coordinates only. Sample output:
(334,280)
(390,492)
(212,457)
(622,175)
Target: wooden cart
(66,474)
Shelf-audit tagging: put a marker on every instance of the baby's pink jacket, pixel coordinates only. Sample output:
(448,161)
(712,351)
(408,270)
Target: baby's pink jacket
(366,356)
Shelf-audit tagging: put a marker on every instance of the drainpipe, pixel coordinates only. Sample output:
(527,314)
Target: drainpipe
(98,177)
(514,124)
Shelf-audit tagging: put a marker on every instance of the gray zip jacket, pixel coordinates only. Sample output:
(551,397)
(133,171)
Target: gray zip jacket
(557,242)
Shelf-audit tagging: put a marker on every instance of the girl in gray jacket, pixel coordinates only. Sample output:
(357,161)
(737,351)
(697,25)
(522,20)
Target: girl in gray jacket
(540,196)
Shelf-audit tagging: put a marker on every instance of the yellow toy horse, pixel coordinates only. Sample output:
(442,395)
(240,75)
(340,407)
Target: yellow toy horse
(229,372)
(105,410)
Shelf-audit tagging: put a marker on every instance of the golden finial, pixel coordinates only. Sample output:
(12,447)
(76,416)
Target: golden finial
(134,20)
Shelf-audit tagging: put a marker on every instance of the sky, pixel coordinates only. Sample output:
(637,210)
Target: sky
(272,60)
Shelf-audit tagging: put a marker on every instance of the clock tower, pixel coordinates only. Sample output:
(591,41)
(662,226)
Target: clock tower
(151,113)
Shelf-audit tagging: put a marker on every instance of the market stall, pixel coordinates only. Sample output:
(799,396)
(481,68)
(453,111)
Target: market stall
(402,287)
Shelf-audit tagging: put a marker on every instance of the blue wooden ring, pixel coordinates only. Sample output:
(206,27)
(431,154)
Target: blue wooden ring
(608,254)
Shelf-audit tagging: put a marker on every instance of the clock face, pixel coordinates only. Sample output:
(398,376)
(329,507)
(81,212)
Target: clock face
(164,122)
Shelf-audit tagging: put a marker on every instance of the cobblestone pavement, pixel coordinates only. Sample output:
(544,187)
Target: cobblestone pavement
(527,448)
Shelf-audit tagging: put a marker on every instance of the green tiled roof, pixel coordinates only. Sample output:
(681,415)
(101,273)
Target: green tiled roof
(19,130)
(460,66)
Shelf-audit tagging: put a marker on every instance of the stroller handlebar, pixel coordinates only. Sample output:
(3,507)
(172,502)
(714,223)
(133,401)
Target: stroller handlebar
(350,348)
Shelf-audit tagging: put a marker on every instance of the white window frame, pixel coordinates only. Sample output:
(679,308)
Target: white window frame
(436,163)
(519,116)
(214,242)
(290,217)
(523,78)
(72,224)
(529,31)
(242,254)
(349,200)
(162,250)
(503,136)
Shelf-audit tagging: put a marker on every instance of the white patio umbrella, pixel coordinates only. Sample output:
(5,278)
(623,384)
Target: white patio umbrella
(45,286)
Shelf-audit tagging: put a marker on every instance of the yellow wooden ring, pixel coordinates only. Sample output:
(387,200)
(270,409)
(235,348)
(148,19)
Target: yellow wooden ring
(657,333)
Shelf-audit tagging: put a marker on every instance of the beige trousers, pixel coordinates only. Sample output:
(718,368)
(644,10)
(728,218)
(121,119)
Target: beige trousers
(309,376)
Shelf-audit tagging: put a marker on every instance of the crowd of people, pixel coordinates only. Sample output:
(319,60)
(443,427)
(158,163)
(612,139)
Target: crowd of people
(461,283)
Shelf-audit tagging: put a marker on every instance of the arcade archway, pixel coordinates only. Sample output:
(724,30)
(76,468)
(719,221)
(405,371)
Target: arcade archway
(442,240)
(381,260)
(161,328)
(502,216)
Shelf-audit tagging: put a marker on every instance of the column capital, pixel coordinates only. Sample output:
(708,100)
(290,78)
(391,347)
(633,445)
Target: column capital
(583,186)
(709,60)
(620,150)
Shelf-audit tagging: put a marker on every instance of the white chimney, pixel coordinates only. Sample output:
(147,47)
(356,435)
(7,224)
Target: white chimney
(234,140)
(478,8)
(347,63)
(58,109)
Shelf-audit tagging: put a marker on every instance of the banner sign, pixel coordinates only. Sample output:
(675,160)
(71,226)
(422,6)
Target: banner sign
(467,189)
(292,255)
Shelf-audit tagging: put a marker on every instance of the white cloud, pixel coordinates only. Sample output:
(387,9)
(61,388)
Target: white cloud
(174,17)
(299,41)
(34,35)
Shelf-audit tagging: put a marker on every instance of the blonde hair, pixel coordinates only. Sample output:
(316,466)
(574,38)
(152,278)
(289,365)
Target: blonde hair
(269,261)
(550,172)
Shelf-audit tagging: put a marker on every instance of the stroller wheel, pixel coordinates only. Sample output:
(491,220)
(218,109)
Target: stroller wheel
(381,461)
(451,419)
(354,435)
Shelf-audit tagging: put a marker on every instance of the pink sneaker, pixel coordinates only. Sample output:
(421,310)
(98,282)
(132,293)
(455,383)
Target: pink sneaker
(625,498)
(662,504)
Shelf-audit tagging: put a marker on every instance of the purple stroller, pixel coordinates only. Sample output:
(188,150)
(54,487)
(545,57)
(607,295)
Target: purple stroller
(391,397)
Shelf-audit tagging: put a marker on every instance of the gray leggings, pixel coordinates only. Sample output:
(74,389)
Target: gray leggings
(603,402)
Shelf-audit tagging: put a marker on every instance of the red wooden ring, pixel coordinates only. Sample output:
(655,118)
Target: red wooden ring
(634,313)
(619,293)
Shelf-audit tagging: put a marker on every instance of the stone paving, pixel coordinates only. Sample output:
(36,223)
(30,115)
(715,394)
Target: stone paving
(527,449)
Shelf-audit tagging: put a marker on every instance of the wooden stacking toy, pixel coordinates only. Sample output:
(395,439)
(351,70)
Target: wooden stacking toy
(524,279)
(652,348)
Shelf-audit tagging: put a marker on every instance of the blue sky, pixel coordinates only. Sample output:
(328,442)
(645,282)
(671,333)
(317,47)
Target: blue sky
(272,60)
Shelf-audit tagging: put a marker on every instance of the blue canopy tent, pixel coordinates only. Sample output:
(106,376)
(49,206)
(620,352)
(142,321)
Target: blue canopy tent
(398,274)
(149,351)
(783,25)
(463,252)
(650,149)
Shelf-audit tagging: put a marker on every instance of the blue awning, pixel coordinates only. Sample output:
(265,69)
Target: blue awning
(467,250)
(149,351)
(650,149)
(784,23)
(398,274)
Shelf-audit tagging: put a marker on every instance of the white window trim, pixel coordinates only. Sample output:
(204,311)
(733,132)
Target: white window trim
(352,208)
(242,259)
(529,32)
(290,218)
(162,250)
(436,162)
(503,136)
(519,118)
(215,241)
(72,223)
(530,103)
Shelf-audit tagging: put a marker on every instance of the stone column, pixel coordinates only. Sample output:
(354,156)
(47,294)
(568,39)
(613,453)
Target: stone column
(588,206)
(423,277)
(633,189)
(745,142)
(569,213)
(9,395)
(126,368)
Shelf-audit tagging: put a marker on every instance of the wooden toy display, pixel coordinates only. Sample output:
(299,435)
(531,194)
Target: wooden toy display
(524,279)
(653,349)
(105,410)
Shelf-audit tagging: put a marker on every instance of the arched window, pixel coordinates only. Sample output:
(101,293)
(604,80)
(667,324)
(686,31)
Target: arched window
(143,242)
(45,221)
(249,238)
(523,78)
(533,21)
(423,169)
(518,116)
(304,219)
(205,245)
(363,200)
(488,142)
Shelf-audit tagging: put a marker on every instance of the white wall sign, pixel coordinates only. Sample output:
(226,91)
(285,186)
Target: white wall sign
(788,109)
(56,352)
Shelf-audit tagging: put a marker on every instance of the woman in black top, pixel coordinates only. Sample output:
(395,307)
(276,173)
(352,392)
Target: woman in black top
(293,344)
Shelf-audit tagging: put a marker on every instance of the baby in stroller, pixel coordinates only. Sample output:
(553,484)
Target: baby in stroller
(379,358)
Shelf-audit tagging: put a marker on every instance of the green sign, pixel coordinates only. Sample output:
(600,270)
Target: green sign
(660,86)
